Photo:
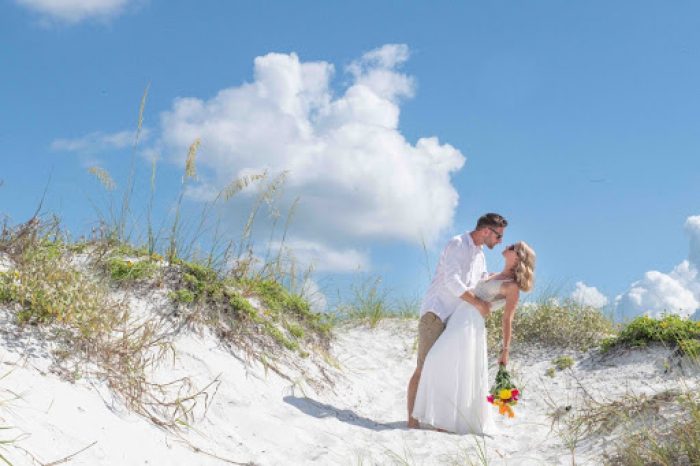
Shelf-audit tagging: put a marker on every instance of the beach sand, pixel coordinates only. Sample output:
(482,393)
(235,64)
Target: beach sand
(345,408)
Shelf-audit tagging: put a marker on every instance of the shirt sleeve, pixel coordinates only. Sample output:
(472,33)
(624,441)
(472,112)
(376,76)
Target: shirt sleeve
(456,267)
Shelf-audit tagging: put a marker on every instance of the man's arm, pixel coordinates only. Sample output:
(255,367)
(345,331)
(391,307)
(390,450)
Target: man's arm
(455,268)
(484,307)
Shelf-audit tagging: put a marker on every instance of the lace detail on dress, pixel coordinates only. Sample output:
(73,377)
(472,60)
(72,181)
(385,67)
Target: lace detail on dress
(490,291)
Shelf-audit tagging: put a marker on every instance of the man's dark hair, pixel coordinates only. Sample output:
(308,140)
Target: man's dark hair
(491,220)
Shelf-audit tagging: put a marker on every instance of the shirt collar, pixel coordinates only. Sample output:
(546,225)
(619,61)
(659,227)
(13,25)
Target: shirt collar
(470,241)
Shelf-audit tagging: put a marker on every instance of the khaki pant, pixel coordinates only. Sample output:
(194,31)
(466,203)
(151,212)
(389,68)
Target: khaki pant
(430,327)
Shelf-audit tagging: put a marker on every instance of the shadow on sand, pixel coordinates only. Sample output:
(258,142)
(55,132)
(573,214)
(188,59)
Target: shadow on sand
(321,410)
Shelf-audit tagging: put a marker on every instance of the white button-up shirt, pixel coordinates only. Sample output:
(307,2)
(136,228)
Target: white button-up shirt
(462,265)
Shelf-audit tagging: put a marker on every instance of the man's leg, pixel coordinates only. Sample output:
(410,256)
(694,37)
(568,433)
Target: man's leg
(429,329)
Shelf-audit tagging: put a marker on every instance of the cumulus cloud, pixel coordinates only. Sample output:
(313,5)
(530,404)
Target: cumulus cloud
(675,292)
(74,11)
(357,176)
(324,258)
(97,142)
(588,296)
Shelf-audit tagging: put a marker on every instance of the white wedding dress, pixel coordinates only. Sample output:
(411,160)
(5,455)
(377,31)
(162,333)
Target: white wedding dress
(454,382)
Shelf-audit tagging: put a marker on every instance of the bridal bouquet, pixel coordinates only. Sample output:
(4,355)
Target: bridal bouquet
(503,393)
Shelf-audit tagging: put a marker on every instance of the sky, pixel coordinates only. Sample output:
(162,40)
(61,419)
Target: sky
(394,124)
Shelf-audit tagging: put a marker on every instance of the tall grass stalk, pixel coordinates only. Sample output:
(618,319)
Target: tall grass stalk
(129,188)
(267,196)
(149,212)
(218,254)
(190,172)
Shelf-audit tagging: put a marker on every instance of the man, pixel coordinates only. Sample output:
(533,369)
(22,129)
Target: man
(462,265)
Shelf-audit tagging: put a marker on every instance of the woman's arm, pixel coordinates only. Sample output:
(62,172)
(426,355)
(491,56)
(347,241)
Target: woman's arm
(512,294)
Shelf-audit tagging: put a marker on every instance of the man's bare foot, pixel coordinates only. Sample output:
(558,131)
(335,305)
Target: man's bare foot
(412,423)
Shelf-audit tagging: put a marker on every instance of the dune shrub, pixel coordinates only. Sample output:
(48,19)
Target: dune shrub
(548,323)
(563,362)
(48,289)
(128,270)
(672,330)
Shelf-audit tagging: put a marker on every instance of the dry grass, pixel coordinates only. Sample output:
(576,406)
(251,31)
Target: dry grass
(95,335)
(675,441)
(633,429)
(551,324)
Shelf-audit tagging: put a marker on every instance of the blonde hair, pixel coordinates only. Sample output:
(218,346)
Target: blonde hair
(525,268)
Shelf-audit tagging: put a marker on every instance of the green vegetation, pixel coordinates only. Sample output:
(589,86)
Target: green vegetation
(183,296)
(127,270)
(370,304)
(94,334)
(548,323)
(672,330)
(48,289)
(563,362)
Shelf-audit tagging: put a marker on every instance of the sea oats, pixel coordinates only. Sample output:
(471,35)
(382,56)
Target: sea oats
(190,167)
(142,106)
(102,175)
(240,184)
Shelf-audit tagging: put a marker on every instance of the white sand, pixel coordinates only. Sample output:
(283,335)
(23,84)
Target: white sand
(265,419)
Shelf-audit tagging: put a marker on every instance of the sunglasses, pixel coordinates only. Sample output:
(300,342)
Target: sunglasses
(511,248)
(498,235)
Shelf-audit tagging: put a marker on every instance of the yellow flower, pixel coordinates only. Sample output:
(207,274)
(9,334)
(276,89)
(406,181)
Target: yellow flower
(504,394)
(129,263)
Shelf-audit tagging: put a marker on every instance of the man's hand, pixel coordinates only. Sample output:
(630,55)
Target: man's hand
(483,307)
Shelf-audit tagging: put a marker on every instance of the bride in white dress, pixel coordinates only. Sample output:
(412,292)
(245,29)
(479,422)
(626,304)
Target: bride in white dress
(454,384)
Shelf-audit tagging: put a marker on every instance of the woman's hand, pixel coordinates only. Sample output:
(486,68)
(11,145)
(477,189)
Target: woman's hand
(504,357)
(484,308)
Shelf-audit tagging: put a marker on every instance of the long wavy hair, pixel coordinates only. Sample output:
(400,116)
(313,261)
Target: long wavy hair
(525,268)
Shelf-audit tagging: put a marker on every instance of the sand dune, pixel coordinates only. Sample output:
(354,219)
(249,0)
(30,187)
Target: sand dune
(355,414)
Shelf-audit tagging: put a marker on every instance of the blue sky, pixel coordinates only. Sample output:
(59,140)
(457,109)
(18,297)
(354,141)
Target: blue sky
(578,122)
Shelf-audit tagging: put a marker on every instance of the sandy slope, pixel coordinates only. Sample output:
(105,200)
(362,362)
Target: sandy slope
(259,417)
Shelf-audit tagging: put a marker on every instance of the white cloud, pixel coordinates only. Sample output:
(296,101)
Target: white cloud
(376,70)
(588,296)
(357,176)
(313,294)
(74,11)
(98,142)
(692,228)
(324,258)
(675,292)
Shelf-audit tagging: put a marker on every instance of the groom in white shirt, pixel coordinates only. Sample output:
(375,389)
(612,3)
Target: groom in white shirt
(462,265)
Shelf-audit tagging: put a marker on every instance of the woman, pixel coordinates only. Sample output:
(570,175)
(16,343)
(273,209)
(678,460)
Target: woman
(454,384)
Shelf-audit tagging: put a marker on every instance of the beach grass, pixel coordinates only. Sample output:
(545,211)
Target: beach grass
(673,442)
(93,334)
(370,303)
(677,332)
(549,323)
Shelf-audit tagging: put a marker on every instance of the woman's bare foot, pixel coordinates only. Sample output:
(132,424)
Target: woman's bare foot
(412,423)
